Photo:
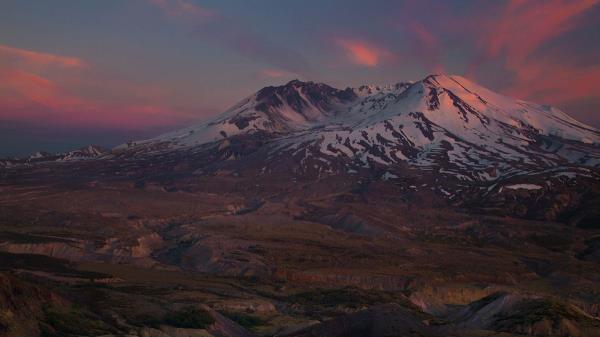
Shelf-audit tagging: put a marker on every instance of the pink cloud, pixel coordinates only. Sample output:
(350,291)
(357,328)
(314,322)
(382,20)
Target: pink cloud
(515,36)
(20,88)
(77,98)
(554,83)
(38,58)
(362,53)
(524,26)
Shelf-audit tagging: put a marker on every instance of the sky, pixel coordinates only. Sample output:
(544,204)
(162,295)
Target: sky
(105,72)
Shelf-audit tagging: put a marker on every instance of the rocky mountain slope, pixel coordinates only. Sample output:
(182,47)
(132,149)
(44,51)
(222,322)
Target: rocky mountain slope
(439,121)
(467,144)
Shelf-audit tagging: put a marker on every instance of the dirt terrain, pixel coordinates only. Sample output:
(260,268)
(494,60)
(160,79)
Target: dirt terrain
(111,256)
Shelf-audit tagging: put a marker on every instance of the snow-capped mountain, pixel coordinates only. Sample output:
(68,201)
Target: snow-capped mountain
(443,123)
(441,138)
(87,152)
(293,107)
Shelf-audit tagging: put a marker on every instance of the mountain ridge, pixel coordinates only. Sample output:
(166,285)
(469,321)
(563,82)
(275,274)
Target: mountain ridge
(301,105)
(442,123)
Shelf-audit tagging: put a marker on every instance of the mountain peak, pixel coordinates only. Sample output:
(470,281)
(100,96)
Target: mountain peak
(443,80)
(294,86)
(294,82)
(298,83)
(308,99)
(428,111)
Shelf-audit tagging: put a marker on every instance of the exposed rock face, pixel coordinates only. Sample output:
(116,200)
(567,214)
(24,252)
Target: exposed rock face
(113,249)
(225,256)
(21,306)
(71,251)
(473,147)
(224,327)
(513,314)
(388,320)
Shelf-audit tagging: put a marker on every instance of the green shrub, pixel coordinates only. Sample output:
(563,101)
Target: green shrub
(72,322)
(346,297)
(189,317)
(145,320)
(245,320)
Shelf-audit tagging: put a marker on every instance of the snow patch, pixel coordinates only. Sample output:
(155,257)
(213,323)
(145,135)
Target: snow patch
(524,187)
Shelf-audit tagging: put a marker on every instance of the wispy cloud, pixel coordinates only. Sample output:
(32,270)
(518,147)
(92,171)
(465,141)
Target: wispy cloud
(518,33)
(21,81)
(39,58)
(183,9)
(275,73)
(517,47)
(215,27)
(522,27)
(21,88)
(427,47)
(554,83)
(362,53)
(30,91)
(257,47)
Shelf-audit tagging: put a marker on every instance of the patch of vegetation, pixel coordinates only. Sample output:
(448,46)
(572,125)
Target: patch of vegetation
(470,238)
(14,237)
(245,320)
(146,320)
(595,240)
(592,246)
(553,242)
(589,221)
(189,317)
(143,290)
(66,322)
(532,311)
(6,317)
(480,304)
(348,297)
(35,262)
